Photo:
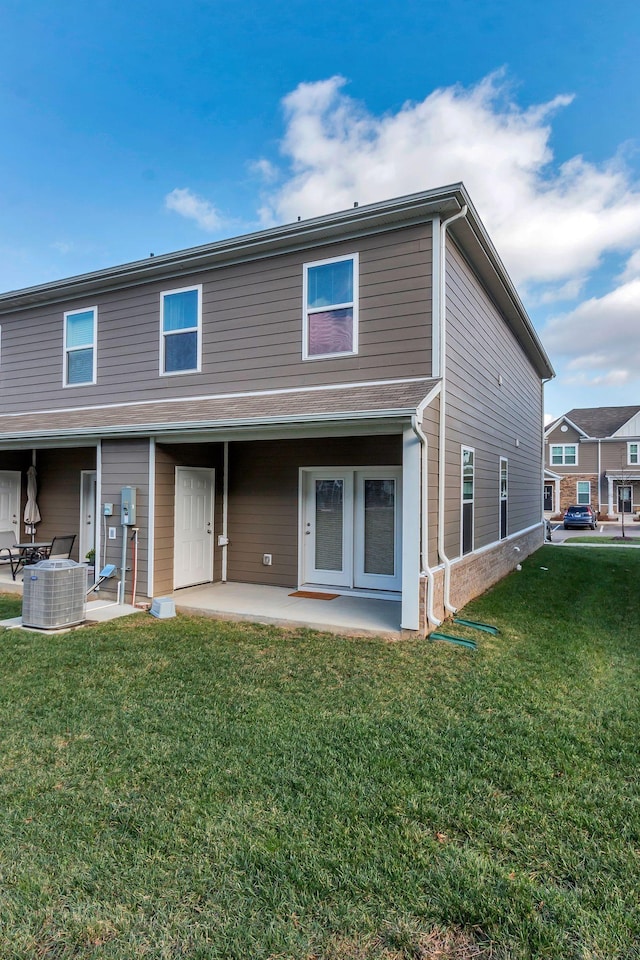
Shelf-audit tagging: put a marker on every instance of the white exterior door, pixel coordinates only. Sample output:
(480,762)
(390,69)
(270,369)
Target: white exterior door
(10,501)
(193,532)
(87,539)
(327,530)
(377,554)
(351,528)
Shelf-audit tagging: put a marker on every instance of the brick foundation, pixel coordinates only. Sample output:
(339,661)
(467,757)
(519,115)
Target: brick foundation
(477,572)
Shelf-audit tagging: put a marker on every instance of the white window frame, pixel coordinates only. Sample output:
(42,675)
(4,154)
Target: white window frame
(503,496)
(67,350)
(307,311)
(197,330)
(630,454)
(563,447)
(465,449)
(583,503)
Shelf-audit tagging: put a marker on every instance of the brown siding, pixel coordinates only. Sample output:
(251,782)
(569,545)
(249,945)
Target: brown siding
(487,414)
(168,457)
(59,491)
(126,463)
(587,457)
(567,436)
(263,498)
(252,330)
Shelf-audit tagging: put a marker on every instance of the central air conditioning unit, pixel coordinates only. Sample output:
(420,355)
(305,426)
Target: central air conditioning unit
(54,594)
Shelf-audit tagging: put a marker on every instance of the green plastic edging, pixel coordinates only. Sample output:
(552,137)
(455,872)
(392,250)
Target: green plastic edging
(475,625)
(470,644)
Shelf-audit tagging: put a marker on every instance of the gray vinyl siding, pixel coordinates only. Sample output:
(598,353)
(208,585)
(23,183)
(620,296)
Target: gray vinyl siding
(126,463)
(59,491)
(263,498)
(168,457)
(252,330)
(613,457)
(487,415)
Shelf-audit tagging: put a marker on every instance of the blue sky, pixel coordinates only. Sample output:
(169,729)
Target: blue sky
(148,127)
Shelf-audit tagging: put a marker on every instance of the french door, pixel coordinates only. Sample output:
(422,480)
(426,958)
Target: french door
(351,528)
(193,531)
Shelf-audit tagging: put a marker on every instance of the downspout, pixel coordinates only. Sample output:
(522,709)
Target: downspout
(440,313)
(599,476)
(425,569)
(225,509)
(544,446)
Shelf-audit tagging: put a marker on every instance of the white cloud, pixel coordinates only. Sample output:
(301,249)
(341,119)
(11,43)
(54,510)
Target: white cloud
(551,224)
(601,338)
(188,204)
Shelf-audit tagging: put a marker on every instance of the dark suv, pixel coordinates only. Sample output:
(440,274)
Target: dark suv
(580,515)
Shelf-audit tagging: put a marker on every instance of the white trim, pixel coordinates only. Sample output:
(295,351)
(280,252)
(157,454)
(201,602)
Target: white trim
(197,329)
(465,449)
(210,570)
(226,396)
(578,500)
(564,462)
(82,542)
(306,310)
(100,522)
(498,543)
(636,444)
(66,350)
(501,498)
(563,419)
(436,310)
(151,519)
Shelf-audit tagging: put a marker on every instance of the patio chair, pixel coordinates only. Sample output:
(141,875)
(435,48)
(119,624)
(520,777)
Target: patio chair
(9,552)
(60,548)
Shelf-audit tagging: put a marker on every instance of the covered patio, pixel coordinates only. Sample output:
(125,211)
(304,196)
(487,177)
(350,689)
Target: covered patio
(347,615)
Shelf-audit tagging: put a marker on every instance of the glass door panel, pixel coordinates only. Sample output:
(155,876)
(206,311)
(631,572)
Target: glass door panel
(377,526)
(328,528)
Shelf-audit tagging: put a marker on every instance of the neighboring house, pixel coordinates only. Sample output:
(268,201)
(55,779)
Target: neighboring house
(592,456)
(352,402)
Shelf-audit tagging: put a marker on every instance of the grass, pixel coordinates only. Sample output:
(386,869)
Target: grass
(195,789)
(627,541)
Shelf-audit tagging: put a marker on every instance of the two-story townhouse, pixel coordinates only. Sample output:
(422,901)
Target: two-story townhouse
(592,455)
(352,402)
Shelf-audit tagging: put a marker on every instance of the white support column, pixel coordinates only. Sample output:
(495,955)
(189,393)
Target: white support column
(557,503)
(610,498)
(410,530)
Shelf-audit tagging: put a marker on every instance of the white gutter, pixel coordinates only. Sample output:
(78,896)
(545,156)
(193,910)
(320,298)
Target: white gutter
(439,276)
(225,510)
(425,569)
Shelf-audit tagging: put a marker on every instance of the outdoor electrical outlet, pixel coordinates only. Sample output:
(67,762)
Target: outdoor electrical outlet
(112,533)
(266,559)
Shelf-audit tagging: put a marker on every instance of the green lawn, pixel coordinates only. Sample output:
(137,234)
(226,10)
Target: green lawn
(193,789)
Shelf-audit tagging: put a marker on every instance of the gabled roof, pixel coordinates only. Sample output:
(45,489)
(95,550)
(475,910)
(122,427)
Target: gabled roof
(601,421)
(564,419)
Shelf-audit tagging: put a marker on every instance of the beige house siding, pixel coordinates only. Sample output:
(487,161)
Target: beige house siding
(126,463)
(494,405)
(59,473)
(252,330)
(263,497)
(168,457)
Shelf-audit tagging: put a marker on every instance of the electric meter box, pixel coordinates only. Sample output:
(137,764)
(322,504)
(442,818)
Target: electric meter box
(128,506)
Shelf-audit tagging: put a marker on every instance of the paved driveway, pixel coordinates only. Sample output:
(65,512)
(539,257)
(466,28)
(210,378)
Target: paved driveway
(608,529)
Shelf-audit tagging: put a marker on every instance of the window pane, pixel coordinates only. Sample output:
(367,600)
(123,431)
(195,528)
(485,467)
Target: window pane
(556,454)
(379,527)
(584,491)
(180,311)
(329,513)
(467,475)
(80,366)
(330,283)
(570,455)
(180,352)
(80,329)
(331,332)
(633,453)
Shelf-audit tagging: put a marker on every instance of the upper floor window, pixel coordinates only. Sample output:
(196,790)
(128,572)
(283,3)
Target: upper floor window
(564,454)
(181,330)
(330,308)
(633,453)
(80,329)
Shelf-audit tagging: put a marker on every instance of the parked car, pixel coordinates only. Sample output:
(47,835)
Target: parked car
(580,515)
